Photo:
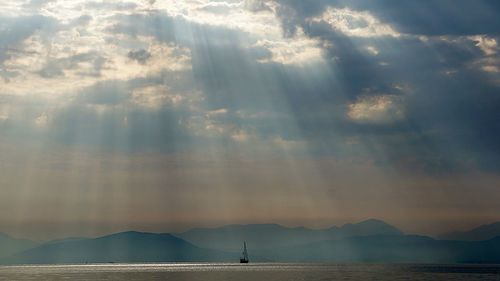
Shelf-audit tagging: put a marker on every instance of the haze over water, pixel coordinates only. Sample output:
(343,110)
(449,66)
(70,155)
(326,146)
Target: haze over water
(162,116)
(272,272)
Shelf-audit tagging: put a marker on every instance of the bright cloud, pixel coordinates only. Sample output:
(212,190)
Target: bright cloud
(355,23)
(376,109)
(155,97)
(488,45)
(297,50)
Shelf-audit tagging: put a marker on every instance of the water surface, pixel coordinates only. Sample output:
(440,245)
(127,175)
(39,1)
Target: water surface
(250,272)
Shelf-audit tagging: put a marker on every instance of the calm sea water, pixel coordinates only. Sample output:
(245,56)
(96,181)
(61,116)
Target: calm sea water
(250,272)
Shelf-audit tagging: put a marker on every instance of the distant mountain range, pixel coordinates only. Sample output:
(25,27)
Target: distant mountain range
(483,232)
(122,247)
(10,246)
(367,241)
(265,236)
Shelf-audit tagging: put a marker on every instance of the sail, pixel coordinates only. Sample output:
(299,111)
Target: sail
(245,252)
(244,259)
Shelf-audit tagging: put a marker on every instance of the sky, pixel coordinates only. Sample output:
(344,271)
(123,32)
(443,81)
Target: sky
(166,115)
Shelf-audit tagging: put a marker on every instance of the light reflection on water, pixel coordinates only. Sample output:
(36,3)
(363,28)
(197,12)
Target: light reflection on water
(255,271)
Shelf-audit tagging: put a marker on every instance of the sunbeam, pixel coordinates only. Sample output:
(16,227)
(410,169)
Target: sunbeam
(248,124)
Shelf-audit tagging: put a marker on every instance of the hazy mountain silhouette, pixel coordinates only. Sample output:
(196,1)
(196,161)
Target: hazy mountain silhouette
(69,239)
(120,247)
(391,249)
(148,247)
(368,241)
(10,246)
(483,232)
(265,236)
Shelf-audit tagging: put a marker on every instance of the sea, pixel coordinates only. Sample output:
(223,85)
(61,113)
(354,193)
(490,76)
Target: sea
(250,272)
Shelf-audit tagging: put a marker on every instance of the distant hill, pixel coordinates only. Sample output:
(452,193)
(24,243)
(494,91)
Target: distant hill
(364,228)
(69,239)
(483,232)
(129,247)
(120,247)
(10,246)
(265,236)
(391,249)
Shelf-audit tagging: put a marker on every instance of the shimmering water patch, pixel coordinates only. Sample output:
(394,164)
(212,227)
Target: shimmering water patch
(249,272)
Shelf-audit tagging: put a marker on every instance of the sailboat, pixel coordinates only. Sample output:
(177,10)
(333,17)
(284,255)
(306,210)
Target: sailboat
(244,258)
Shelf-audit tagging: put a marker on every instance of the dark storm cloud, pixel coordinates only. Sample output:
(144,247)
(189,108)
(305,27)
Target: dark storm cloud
(427,17)
(457,108)
(447,102)
(442,17)
(449,114)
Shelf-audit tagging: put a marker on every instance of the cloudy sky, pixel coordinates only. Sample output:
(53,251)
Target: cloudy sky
(168,114)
